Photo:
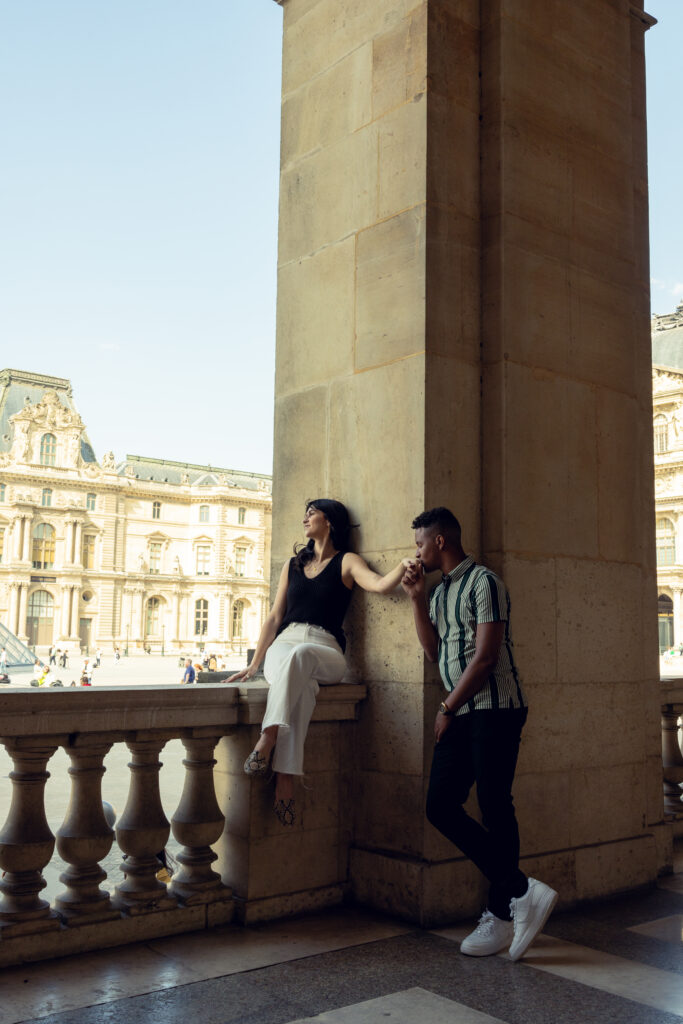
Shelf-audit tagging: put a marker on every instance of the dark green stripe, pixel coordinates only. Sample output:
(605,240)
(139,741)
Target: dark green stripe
(493,590)
(458,618)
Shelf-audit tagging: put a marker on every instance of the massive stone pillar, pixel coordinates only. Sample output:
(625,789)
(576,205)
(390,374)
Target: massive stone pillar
(463,319)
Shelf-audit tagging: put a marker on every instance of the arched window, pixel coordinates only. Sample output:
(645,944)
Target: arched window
(43,555)
(39,617)
(201,617)
(203,513)
(48,450)
(241,516)
(46,497)
(661,430)
(156,510)
(666,542)
(665,618)
(153,616)
(238,620)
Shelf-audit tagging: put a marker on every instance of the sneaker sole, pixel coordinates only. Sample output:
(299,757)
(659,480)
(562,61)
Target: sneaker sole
(488,952)
(522,946)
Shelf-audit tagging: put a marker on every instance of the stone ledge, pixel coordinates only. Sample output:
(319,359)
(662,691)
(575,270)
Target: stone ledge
(335,702)
(87,710)
(85,938)
(672,690)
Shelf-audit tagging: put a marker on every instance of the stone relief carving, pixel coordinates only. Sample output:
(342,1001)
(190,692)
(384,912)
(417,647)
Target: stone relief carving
(109,462)
(666,381)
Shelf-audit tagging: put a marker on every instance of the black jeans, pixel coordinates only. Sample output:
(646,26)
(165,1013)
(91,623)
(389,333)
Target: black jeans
(481,747)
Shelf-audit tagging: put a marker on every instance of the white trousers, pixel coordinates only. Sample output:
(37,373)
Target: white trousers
(295,662)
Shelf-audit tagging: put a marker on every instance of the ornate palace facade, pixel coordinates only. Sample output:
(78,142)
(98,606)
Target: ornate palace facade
(134,554)
(667,386)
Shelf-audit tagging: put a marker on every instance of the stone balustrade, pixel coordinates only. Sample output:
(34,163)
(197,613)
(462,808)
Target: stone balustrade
(220,814)
(672,751)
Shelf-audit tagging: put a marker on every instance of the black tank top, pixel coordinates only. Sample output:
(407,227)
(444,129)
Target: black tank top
(320,601)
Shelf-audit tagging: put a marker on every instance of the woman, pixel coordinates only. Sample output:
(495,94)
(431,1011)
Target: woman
(302,641)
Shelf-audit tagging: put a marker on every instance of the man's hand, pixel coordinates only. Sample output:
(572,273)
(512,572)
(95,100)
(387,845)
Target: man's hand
(441,724)
(413,581)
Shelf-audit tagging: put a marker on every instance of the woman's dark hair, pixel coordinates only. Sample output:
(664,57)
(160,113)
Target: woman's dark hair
(340,530)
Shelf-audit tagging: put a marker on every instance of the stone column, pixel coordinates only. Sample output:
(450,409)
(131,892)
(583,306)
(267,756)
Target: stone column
(17,546)
(176,618)
(78,538)
(26,842)
(23,604)
(463,201)
(75,597)
(142,831)
(678,625)
(65,617)
(197,824)
(26,547)
(84,840)
(13,607)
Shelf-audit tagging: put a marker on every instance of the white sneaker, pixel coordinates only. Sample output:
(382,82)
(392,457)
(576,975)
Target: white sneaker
(490,936)
(529,913)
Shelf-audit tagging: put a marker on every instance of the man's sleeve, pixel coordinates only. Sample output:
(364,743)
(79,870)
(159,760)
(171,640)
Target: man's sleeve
(490,599)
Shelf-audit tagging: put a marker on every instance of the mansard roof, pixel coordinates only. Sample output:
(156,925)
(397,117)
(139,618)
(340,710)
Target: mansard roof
(667,339)
(19,388)
(165,471)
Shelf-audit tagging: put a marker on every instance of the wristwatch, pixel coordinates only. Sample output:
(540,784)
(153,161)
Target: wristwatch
(443,710)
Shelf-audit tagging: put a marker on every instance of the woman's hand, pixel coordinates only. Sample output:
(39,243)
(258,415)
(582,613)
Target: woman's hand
(413,581)
(246,673)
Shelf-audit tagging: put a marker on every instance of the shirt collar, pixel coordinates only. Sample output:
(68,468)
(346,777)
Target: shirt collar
(458,572)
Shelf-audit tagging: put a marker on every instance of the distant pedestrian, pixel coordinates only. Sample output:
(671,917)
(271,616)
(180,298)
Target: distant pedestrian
(52,656)
(98,658)
(189,675)
(213,664)
(117,656)
(63,659)
(3,661)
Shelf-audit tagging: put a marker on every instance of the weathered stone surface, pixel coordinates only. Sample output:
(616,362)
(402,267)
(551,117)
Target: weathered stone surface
(390,290)
(317,322)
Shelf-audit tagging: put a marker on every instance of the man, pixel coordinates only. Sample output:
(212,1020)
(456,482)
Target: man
(3,661)
(189,675)
(465,626)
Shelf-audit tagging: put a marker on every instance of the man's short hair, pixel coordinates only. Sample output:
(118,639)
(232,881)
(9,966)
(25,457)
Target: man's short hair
(443,520)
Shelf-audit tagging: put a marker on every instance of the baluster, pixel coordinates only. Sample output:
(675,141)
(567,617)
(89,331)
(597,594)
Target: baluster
(672,760)
(196,824)
(26,842)
(143,832)
(84,840)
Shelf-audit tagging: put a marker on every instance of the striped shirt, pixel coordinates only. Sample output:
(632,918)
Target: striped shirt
(468,595)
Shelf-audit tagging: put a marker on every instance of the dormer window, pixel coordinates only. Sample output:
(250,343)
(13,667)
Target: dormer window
(48,450)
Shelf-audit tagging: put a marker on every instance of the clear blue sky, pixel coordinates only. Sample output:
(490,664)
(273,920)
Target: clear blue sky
(138,212)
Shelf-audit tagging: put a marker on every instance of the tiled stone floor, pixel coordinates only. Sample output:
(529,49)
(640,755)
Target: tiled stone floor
(618,962)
